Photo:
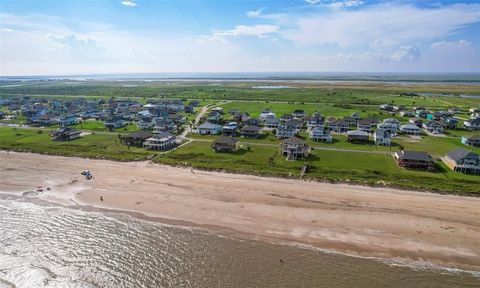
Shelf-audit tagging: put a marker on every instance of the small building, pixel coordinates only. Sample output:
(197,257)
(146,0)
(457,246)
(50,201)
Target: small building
(410,129)
(388,126)
(294,148)
(433,127)
(225,144)
(355,115)
(367,124)
(472,124)
(135,138)
(285,131)
(319,133)
(352,122)
(338,126)
(357,136)
(450,122)
(145,123)
(473,140)
(382,137)
(272,123)
(163,141)
(251,122)
(315,120)
(421,113)
(215,116)
(231,129)
(461,160)
(414,159)
(298,113)
(267,114)
(67,119)
(286,117)
(251,131)
(65,134)
(113,122)
(208,128)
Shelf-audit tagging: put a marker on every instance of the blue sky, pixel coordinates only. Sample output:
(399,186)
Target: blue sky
(141,36)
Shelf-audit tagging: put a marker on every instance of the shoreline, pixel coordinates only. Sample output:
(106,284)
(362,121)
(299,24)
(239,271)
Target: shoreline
(357,221)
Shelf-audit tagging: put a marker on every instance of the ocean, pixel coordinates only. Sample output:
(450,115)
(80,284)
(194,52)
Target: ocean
(45,245)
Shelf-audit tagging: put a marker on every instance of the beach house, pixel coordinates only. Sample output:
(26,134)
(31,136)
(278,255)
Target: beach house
(382,137)
(410,129)
(433,127)
(225,144)
(461,160)
(267,114)
(67,119)
(285,131)
(272,123)
(473,140)
(64,134)
(472,124)
(298,113)
(163,141)
(208,128)
(357,136)
(251,131)
(367,124)
(338,126)
(294,148)
(319,133)
(414,159)
(314,120)
(113,121)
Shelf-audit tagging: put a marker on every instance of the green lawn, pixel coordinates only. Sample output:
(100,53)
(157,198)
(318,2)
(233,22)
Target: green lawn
(92,146)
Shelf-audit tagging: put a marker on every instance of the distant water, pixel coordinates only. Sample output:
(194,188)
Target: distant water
(58,247)
(470,78)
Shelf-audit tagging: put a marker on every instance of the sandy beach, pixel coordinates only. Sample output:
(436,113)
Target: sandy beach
(376,222)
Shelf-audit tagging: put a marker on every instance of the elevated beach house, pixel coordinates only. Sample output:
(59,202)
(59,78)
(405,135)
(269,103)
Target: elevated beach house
(230,129)
(136,138)
(294,148)
(314,120)
(338,126)
(64,134)
(272,123)
(433,127)
(414,159)
(367,124)
(251,131)
(472,124)
(473,140)
(67,119)
(145,122)
(163,141)
(410,129)
(462,160)
(208,128)
(225,144)
(382,137)
(113,121)
(389,124)
(357,136)
(319,133)
(286,130)
(298,113)
(267,114)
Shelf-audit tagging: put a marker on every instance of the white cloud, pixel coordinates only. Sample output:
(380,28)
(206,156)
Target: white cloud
(260,31)
(336,4)
(453,44)
(313,1)
(381,25)
(129,3)
(406,53)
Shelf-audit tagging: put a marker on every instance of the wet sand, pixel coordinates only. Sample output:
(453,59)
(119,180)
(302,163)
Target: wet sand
(389,223)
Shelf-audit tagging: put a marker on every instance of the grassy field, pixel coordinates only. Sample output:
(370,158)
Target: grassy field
(363,168)
(105,146)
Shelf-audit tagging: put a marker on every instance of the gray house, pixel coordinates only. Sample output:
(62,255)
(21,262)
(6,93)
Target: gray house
(462,160)
(294,148)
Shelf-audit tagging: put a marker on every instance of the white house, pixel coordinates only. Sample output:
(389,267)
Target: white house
(267,115)
(410,129)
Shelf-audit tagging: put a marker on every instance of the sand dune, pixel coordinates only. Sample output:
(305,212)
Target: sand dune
(444,230)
